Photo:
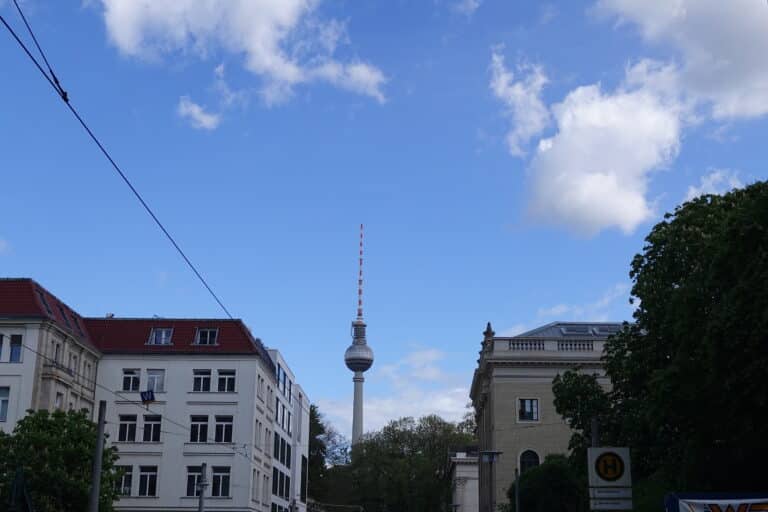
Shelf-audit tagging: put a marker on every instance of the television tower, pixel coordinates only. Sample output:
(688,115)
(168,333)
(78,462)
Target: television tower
(359,356)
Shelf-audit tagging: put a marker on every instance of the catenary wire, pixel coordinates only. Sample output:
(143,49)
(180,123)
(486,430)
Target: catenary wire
(53,81)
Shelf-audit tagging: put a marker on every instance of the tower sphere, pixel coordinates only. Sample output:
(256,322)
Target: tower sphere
(358,357)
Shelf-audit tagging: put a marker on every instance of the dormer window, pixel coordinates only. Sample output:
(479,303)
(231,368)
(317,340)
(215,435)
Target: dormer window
(160,336)
(207,336)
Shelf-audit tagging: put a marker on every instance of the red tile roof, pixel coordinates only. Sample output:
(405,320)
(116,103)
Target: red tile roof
(130,336)
(25,299)
(22,298)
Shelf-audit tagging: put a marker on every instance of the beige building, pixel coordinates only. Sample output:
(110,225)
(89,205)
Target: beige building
(464,480)
(47,360)
(513,400)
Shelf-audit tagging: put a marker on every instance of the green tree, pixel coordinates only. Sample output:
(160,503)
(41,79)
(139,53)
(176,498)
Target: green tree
(404,466)
(55,451)
(688,376)
(327,449)
(553,486)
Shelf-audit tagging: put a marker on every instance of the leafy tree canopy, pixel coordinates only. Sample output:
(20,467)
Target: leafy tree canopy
(688,377)
(402,467)
(55,452)
(553,486)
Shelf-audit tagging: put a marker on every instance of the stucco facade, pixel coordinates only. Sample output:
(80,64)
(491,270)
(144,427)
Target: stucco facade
(46,359)
(464,481)
(513,400)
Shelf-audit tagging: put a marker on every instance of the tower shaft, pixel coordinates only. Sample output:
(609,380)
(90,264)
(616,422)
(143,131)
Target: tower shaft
(357,415)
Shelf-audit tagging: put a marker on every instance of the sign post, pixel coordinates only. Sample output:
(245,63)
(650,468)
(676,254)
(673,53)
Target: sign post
(610,479)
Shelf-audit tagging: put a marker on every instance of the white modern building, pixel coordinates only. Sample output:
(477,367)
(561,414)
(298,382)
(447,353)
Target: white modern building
(47,360)
(220,400)
(291,441)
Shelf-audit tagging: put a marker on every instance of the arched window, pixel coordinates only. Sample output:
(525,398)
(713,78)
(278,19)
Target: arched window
(528,459)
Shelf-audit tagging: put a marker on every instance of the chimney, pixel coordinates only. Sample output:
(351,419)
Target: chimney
(110,315)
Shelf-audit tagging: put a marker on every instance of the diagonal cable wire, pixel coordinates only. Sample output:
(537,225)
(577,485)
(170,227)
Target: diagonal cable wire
(53,81)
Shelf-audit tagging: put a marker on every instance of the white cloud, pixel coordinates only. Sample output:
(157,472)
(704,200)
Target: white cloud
(717,181)
(281,41)
(547,13)
(514,330)
(596,311)
(467,7)
(522,101)
(227,95)
(5,247)
(721,46)
(592,174)
(414,386)
(196,115)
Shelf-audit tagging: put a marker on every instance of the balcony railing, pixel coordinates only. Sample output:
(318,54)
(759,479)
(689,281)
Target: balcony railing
(525,345)
(575,346)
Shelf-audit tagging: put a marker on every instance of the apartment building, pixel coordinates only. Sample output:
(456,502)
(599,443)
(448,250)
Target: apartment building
(47,359)
(513,400)
(291,441)
(213,386)
(220,398)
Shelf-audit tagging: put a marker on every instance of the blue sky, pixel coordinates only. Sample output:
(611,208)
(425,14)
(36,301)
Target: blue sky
(507,161)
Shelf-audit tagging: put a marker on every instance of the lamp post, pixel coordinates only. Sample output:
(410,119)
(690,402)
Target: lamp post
(490,456)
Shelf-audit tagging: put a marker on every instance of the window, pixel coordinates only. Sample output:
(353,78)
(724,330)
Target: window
(226,380)
(57,404)
(265,487)
(288,455)
(281,484)
(152,428)
(127,429)
(529,409)
(147,480)
(287,487)
(276,453)
(255,483)
(220,481)
(257,435)
(156,380)
(87,372)
(4,398)
(73,363)
(45,302)
(304,471)
(124,480)
(1,349)
(282,416)
(274,481)
(198,433)
(130,379)
(288,425)
(15,348)
(194,475)
(277,409)
(57,353)
(64,317)
(528,459)
(267,438)
(290,392)
(207,336)
(160,336)
(260,388)
(201,380)
(223,429)
(282,450)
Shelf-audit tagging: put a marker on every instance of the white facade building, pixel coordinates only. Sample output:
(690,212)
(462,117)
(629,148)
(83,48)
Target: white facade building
(291,441)
(220,398)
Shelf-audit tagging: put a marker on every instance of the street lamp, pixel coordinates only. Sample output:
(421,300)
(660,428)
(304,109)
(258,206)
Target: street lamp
(490,456)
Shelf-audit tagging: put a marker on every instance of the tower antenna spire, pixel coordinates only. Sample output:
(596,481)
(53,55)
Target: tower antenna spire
(360,279)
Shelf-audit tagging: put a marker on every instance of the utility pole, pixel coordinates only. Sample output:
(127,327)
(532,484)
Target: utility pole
(517,490)
(595,433)
(98,452)
(201,485)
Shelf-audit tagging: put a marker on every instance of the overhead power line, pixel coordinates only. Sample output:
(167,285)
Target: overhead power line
(54,82)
